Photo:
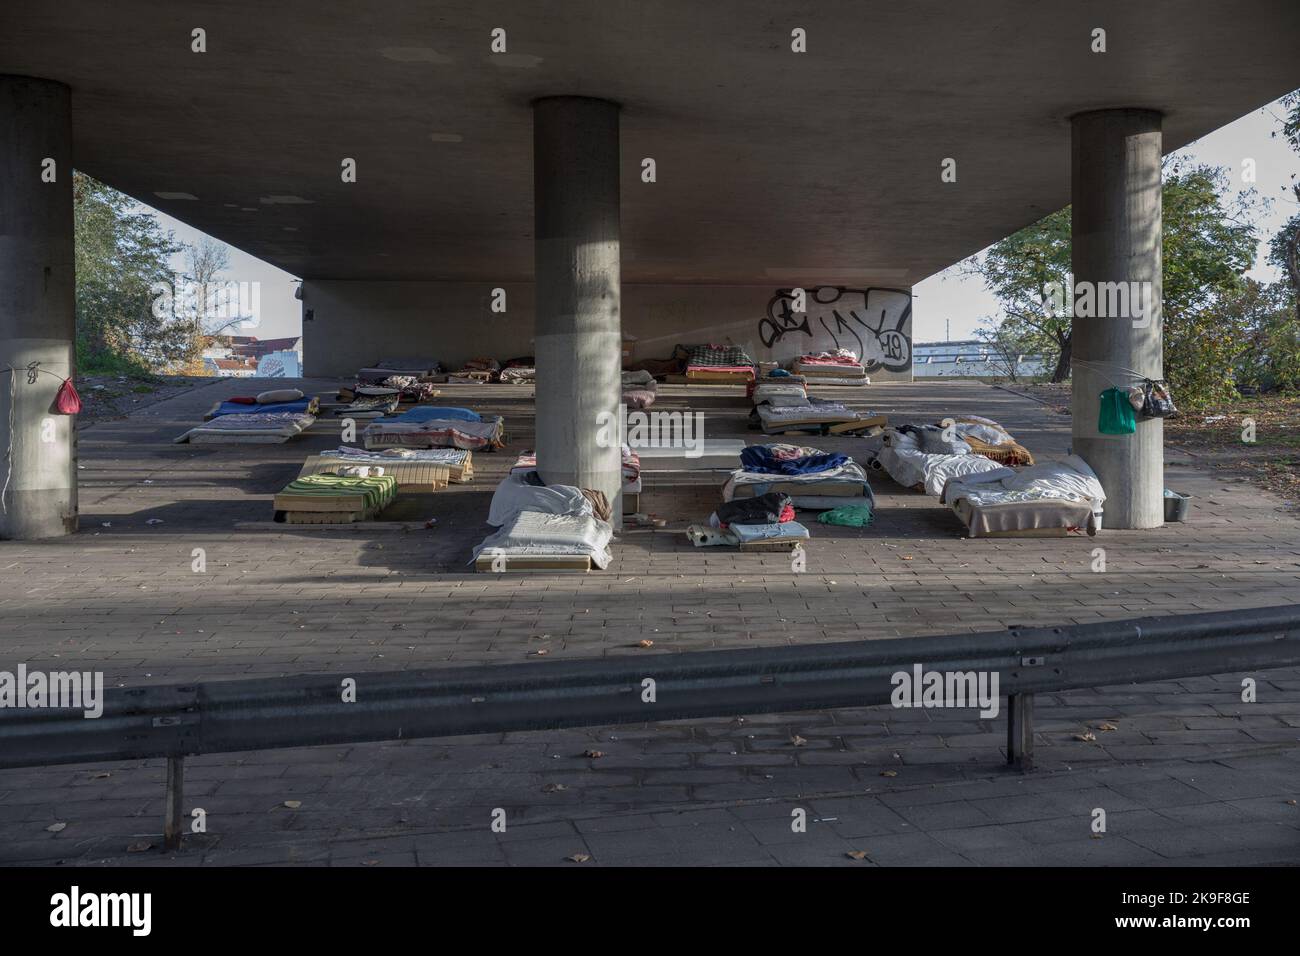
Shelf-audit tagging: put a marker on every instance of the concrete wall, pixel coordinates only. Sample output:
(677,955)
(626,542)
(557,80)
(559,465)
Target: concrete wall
(352,323)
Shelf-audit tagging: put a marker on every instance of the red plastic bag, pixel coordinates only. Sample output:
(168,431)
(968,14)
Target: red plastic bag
(68,401)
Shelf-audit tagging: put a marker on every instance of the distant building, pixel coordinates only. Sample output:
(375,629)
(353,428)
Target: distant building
(971,358)
(244,356)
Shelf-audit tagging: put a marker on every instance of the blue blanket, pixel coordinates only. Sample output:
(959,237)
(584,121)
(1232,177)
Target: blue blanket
(759,458)
(432,413)
(238,408)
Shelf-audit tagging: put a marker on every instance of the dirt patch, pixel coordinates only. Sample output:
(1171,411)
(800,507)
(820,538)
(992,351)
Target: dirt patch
(107,397)
(1220,437)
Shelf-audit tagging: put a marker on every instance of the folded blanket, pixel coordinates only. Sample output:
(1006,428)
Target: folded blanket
(376,490)
(299,407)
(430,413)
(784,531)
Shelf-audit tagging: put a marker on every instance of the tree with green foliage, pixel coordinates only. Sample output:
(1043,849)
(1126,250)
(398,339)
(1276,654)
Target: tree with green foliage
(122,254)
(1019,270)
(1209,243)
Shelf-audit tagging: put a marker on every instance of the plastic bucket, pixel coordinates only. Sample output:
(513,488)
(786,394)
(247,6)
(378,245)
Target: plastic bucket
(1177,506)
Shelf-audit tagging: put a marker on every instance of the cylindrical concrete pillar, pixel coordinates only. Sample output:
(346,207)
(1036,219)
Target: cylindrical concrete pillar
(38,473)
(1116,329)
(579,328)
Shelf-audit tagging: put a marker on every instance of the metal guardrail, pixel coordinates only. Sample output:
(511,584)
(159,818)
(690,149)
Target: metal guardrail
(180,720)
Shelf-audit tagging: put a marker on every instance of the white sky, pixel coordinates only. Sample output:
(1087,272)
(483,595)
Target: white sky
(943,300)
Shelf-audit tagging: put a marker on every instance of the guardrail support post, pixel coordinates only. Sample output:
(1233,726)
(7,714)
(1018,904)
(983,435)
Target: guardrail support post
(174,813)
(1020,731)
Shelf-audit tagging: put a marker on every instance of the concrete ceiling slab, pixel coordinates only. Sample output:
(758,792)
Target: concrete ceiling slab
(772,166)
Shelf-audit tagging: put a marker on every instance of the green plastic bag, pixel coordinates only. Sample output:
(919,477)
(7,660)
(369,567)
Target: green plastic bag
(851,516)
(1117,414)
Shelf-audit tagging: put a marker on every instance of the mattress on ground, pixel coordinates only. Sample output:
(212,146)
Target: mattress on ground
(255,429)
(719,375)
(817,413)
(488,434)
(1065,496)
(532,533)
(368,407)
(388,367)
(518,375)
(780,394)
(304,406)
(846,481)
(1021,517)
(333,493)
(458,461)
(419,477)
(717,356)
(838,380)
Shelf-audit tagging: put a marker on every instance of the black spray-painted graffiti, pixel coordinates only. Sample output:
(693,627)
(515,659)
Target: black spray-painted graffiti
(874,323)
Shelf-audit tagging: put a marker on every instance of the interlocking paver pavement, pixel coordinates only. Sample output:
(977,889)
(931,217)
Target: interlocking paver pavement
(1190,774)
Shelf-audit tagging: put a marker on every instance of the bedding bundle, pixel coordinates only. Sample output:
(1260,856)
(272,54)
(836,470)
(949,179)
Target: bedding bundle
(926,457)
(545,527)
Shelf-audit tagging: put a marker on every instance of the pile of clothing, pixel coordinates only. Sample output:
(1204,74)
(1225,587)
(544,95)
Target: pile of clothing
(639,389)
(764,522)
(926,457)
(367,401)
(545,527)
(431,426)
(1054,498)
(810,477)
(837,367)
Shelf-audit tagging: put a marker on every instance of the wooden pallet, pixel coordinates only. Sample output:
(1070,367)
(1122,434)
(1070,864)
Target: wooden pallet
(792,544)
(535,562)
(325,517)
(859,425)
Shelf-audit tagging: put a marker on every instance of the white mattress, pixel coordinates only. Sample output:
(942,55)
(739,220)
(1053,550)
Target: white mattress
(534,533)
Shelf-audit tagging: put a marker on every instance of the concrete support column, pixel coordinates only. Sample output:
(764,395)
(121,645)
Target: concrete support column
(38,469)
(1116,240)
(578,323)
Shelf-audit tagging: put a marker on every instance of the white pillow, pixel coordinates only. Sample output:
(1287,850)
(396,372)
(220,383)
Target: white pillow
(279,395)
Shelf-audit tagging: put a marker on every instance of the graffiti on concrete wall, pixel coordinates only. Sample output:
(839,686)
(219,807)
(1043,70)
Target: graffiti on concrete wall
(875,323)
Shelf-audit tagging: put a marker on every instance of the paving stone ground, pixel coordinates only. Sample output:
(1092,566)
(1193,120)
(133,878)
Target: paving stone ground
(1189,775)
